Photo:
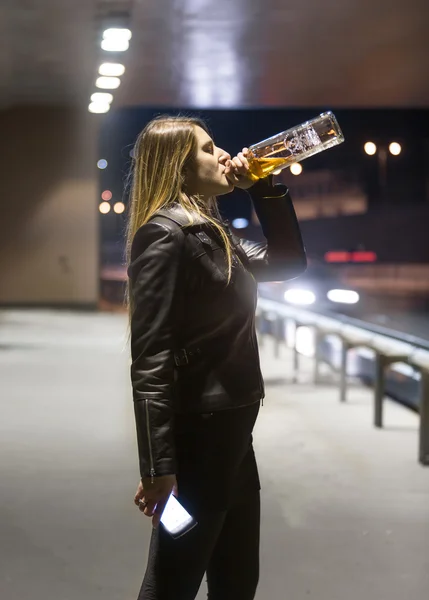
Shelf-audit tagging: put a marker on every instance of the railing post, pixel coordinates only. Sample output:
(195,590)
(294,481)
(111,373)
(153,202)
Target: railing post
(295,357)
(318,338)
(278,335)
(343,374)
(424,418)
(380,366)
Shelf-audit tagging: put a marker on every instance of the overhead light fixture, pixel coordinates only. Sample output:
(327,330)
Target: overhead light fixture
(111,69)
(99,107)
(108,83)
(117,33)
(115,44)
(102,97)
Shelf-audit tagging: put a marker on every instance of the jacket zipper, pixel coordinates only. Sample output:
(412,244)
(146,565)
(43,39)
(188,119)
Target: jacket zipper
(152,469)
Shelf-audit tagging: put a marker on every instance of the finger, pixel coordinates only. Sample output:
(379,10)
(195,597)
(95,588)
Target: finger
(150,509)
(245,151)
(244,160)
(224,157)
(237,163)
(158,514)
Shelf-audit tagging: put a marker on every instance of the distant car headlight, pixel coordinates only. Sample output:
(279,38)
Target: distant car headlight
(297,296)
(343,296)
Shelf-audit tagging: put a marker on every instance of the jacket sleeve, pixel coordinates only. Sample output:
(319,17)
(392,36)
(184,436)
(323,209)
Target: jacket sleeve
(282,256)
(154,286)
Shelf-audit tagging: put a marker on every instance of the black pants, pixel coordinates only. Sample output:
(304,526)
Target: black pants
(219,485)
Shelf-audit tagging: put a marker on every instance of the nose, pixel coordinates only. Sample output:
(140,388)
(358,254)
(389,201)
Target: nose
(223,156)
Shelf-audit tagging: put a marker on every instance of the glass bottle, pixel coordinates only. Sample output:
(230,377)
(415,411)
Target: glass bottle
(294,145)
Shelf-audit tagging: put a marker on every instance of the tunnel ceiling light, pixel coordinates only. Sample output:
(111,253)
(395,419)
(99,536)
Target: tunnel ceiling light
(115,45)
(99,107)
(296,169)
(111,69)
(102,97)
(395,148)
(117,33)
(119,208)
(104,208)
(108,83)
(370,148)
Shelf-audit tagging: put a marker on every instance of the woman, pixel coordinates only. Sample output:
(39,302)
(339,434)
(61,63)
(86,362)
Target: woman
(197,384)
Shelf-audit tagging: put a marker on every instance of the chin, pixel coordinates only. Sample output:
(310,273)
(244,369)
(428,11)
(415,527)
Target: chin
(225,189)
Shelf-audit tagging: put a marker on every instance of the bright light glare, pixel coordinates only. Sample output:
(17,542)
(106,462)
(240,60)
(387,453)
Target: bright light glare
(102,98)
(343,296)
(111,69)
(370,148)
(296,169)
(119,208)
(297,296)
(117,34)
(102,163)
(277,172)
(240,223)
(104,208)
(99,107)
(115,44)
(304,342)
(395,148)
(108,83)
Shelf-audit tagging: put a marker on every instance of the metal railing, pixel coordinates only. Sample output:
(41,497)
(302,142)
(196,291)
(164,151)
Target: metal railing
(387,348)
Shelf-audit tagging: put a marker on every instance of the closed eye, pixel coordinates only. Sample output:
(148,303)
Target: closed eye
(209,147)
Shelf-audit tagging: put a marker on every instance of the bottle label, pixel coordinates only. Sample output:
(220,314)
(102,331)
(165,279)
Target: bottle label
(298,142)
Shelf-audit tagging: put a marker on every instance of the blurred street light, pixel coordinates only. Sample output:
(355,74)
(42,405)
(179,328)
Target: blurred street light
(382,153)
(296,169)
(395,148)
(370,148)
(106,195)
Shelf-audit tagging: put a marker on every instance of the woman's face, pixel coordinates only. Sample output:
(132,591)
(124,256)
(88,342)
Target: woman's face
(207,176)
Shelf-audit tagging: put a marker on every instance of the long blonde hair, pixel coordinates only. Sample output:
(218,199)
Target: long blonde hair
(164,150)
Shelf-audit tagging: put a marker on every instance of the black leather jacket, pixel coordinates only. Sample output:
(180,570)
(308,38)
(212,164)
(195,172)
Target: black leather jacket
(193,340)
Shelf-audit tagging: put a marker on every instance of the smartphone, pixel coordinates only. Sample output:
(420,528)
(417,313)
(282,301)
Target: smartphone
(176,520)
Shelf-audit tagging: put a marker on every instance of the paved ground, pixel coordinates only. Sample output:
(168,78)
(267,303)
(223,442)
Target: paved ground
(345,507)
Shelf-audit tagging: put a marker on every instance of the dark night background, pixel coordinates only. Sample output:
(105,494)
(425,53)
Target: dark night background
(385,228)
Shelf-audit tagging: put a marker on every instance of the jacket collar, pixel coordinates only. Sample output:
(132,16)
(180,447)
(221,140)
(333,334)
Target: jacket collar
(179,215)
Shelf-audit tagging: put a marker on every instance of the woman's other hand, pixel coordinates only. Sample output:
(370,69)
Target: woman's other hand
(152,495)
(237,170)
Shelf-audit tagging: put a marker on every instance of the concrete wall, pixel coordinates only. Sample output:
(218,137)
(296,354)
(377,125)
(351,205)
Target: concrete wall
(48,207)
